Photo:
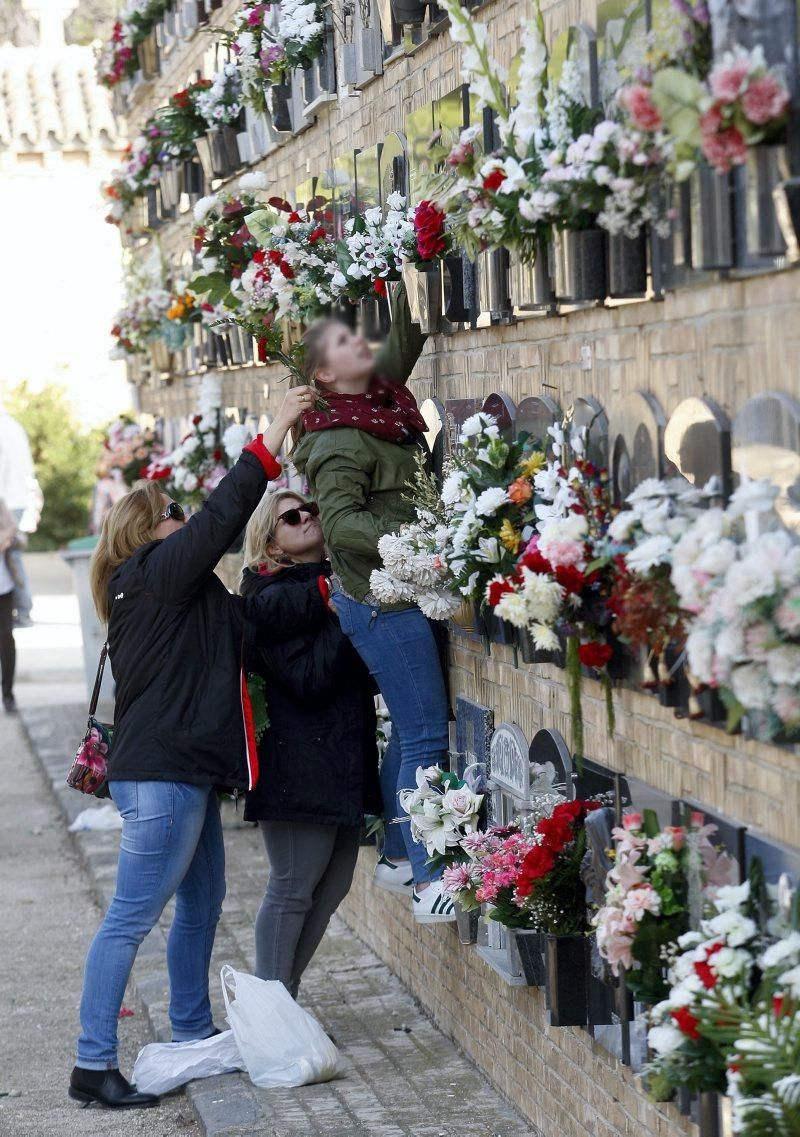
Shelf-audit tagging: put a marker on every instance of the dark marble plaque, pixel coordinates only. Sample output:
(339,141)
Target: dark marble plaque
(474,729)
(697,444)
(587,417)
(548,745)
(502,407)
(433,411)
(776,858)
(534,415)
(598,779)
(637,447)
(765,443)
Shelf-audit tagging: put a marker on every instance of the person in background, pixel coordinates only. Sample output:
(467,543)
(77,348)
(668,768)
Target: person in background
(22,495)
(319,750)
(8,651)
(359,452)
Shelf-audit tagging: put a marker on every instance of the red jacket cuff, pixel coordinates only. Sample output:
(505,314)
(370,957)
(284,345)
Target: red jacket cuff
(271,468)
(324,586)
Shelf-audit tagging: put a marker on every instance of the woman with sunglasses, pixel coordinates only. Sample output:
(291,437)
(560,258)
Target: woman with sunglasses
(359,453)
(318,753)
(182,728)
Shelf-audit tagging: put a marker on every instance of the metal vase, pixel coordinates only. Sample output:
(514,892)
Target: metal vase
(565,989)
(203,148)
(712,219)
(626,262)
(326,66)
(530,284)
(280,98)
(424,290)
(170,185)
(467,924)
(579,265)
(530,946)
(408,12)
(758,232)
(493,285)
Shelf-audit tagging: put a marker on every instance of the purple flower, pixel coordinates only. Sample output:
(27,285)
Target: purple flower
(271,56)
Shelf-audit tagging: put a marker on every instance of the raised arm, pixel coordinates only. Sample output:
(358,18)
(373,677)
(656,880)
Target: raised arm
(183,561)
(404,344)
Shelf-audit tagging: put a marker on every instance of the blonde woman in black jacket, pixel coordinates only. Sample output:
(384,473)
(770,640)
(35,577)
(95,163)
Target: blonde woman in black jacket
(182,728)
(318,755)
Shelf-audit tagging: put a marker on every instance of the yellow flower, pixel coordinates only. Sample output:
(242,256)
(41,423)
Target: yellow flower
(509,536)
(532,464)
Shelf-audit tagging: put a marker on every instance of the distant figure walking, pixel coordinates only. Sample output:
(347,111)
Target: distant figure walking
(8,650)
(22,495)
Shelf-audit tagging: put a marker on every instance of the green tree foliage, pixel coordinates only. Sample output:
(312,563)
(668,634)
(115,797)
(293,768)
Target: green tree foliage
(65,454)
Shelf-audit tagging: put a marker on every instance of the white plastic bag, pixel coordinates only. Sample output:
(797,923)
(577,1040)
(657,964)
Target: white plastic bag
(163,1066)
(280,1043)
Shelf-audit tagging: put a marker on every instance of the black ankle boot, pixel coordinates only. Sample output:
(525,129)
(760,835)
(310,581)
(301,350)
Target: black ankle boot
(108,1088)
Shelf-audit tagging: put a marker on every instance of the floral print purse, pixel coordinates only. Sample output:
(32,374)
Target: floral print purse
(89,768)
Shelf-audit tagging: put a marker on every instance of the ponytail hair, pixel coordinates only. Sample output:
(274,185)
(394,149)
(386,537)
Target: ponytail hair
(127,526)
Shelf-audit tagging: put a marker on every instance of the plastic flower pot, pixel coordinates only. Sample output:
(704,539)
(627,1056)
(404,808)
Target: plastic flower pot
(530,945)
(170,186)
(758,233)
(281,97)
(787,208)
(496,630)
(712,219)
(493,285)
(190,14)
(203,148)
(579,265)
(467,924)
(565,987)
(531,654)
(408,11)
(530,284)
(464,617)
(627,265)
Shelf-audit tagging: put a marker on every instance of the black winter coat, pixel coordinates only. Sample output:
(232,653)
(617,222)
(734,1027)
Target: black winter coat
(318,757)
(176,644)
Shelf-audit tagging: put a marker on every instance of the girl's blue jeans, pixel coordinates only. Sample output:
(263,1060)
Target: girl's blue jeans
(400,651)
(171,845)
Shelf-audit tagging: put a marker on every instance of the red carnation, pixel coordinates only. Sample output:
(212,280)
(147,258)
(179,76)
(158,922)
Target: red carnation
(294,216)
(217,454)
(196,420)
(317,234)
(199,235)
(557,832)
(259,256)
(494,180)
(181,98)
(286,270)
(536,562)
(570,578)
(703,969)
(497,589)
(429,230)
(379,287)
(594,654)
(779,1005)
(157,475)
(538,863)
(686,1022)
(275,256)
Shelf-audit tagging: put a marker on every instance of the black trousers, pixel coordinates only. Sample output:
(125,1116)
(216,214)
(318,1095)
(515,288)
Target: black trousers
(8,649)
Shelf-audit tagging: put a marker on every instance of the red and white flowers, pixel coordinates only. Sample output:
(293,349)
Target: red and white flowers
(748,103)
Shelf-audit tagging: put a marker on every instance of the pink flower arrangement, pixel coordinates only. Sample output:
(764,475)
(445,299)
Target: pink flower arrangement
(647,894)
(749,105)
(636,99)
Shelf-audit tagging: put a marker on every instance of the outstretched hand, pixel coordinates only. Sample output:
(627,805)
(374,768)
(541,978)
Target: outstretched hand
(296,401)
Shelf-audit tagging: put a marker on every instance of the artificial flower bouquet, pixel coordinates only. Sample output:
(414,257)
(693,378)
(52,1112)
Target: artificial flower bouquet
(442,811)
(657,875)
(182,120)
(370,252)
(716,977)
(148,298)
(640,543)
(223,244)
(117,58)
(203,457)
(736,572)
(489,873)
(220,102)
(269,40)
(129,449)
(560,586)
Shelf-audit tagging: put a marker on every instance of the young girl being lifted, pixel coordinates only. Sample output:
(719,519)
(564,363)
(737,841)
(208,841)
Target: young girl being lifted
(358,455)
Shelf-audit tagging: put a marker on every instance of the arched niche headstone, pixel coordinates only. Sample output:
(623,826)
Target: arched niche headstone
(368,189)
(637,443)
(535,415)
(730,834)
(502,407)
(457,411)
(548,746)
(597,779)
(765,443)
(509,771)
(393,166)
(586,419)
(433,411)
(697,445)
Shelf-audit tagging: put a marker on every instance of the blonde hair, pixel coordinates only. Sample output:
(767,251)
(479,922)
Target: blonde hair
(127,526)
(260,532)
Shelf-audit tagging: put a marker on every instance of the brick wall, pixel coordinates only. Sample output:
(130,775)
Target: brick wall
(724,339)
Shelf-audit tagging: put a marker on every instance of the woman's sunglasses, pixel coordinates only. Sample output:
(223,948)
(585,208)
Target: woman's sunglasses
(173,512)
(293,516)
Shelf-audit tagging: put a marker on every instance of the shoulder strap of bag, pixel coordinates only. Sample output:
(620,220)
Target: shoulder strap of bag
(98,682)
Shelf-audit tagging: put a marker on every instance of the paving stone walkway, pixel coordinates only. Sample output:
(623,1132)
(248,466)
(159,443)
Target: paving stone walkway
(402,1078)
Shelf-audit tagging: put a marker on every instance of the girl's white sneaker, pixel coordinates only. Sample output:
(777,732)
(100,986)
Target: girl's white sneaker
(433,905)
(394,876)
